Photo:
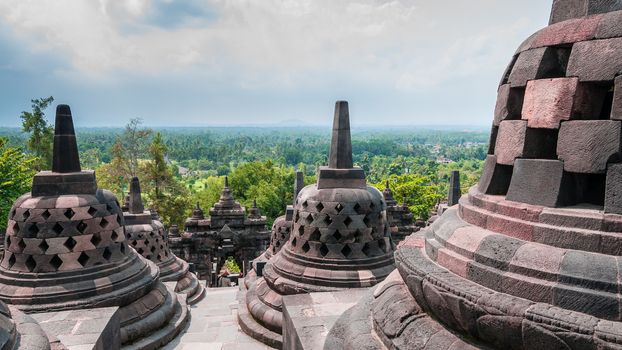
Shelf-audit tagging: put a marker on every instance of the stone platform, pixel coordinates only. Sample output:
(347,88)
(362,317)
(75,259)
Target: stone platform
(214,325)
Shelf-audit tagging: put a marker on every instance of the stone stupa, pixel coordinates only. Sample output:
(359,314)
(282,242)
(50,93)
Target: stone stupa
(339,239)
(145,233)
(530,257)
(66,250)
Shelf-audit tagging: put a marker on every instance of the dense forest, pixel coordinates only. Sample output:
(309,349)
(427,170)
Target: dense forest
(181,166)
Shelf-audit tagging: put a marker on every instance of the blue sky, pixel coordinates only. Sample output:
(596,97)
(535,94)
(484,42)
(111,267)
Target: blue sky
(239,62)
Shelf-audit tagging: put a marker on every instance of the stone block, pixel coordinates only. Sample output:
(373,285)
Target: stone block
(586,146)
(616,107)
(516,140)
(589,270)
(610,25)
(538,182)
(545,62)
(493,139)
(497,251)
(567,9)
(613,189)
(509,103)
(495,178)
(596,60)
(602,6)
(549,101)
(568,32)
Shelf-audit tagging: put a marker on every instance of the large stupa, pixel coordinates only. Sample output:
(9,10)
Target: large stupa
(530,257)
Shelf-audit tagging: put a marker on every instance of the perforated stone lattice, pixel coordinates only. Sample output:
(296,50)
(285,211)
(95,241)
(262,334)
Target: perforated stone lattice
(339,230)
(148,241)
(80,232)
(281,230)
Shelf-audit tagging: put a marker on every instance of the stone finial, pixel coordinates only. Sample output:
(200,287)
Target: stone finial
(226,181)
(341,143)
(254,204)
(299,183)
(136,202)
(66,158)
(454,189)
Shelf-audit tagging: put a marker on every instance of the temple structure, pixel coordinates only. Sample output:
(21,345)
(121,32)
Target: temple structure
(228,231)
(339,239)
(530,257)
(145,234)
(66,250)
(399,217)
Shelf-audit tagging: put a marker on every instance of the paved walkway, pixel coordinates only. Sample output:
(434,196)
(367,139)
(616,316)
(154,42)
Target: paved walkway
(214,325)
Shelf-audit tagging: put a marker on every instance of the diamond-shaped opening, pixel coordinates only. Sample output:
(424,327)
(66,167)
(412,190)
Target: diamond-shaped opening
(277,244)
(339,207)
(309,219)
(43,246)
(58,228)
(134,243)
(328,220)
(69,213)
(347,221)
(151,234)
(148,257)
(118,220)
(140,235)
(70,243)
(166,253)
(161,246)
(7,242)
(96,239)
(56,262)
(301,230)
(109,208)
(367,221)
(107,254)
(146,242)
(337,235)
(12,214)
(33,229)
(26,215)
(372,205)
(30,263)
(153,249)
(294,242)
(114,235)
(358,208)
(21,245)
(92,211)
(46,214)
(346,251)
(83,259)
(305,204)
(323,250)
(82,227)
(103,223)
(16,228)
(366,249)
(306,247)
(315,235)
(140,251)
(319,206)
(122,248)
(12,260)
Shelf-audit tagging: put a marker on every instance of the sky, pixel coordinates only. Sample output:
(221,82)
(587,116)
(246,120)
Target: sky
(261,62)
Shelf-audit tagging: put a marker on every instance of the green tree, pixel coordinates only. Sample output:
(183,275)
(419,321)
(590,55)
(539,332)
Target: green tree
(419,192)
(16,172)
(41,133)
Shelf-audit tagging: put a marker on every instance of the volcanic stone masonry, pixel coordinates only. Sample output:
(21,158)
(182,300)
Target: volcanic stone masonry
(145,233)
(530,257)
(66,249)
(339,239)
(227,232)
(399,217)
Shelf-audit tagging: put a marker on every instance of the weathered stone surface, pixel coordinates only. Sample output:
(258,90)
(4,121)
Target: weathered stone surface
(609,26)
(616,107)
(596,60)
(613,191)
(516,140)
(538,182)
(495,177)
(549,101)
(587,146)
(545,62)
(509,103)
(567,9)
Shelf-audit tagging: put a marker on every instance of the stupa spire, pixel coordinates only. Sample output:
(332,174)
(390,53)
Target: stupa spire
(299,183)
(66,158)
(136,202)
(341,143)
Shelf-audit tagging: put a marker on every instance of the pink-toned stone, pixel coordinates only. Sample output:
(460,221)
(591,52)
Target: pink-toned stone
(452,261)
(510,141)
(549,101)
(519,210)
(467,239)
(510,227)
(566,32)
(473,215)
(537,260)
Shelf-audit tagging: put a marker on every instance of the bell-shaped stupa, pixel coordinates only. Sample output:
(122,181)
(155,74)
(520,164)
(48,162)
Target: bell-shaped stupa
(530,257)
(66,249)
(339,239)
(145,234)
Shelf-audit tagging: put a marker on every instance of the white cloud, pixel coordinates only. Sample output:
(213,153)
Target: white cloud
(403,44)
